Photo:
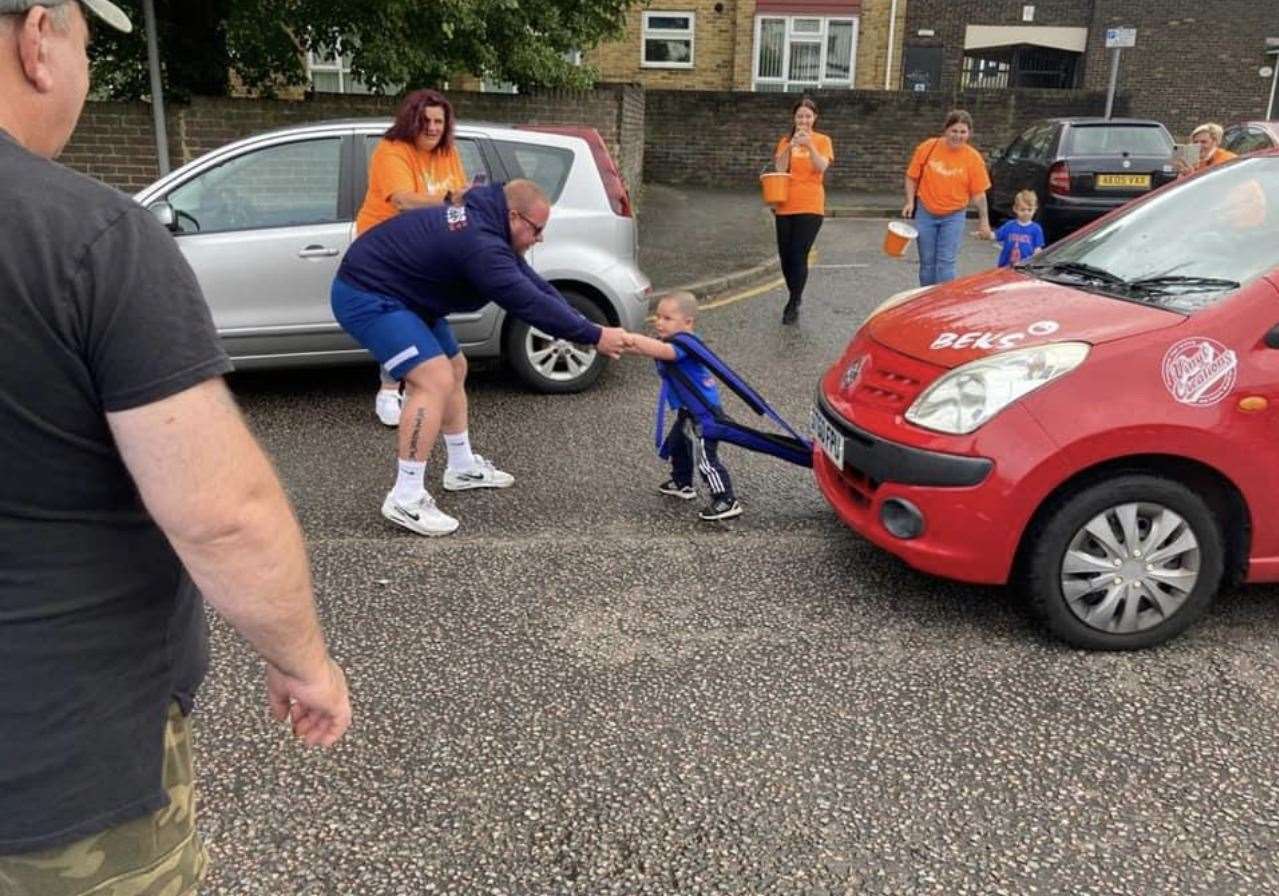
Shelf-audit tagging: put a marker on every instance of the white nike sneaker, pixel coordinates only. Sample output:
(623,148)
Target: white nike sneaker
(387,407)
(482,475)
(420,516)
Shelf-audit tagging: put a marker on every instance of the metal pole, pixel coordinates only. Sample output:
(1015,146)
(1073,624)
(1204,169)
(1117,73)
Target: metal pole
(888,66)
(1114,78)
(157,89)
(1270,103)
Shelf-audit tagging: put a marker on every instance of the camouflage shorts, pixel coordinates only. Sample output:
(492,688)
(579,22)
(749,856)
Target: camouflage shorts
(157,855)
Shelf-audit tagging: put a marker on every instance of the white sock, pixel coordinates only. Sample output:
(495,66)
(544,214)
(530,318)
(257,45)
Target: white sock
(459,447)
(410,481)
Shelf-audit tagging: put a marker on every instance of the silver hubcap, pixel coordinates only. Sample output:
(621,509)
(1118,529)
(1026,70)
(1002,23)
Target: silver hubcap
(1130,568)
(556,359)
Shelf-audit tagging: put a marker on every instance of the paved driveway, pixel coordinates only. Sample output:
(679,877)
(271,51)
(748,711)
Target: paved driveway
(588,691)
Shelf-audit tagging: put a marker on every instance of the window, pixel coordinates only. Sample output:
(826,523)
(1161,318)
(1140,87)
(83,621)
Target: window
(546,166)
(797,53)
(668,40)
(331,73)
(286,185)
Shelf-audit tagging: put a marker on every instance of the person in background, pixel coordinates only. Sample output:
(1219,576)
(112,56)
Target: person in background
(415,165)
(1021,237)
(945,175)
(1208,138)
(806,155)
(132,487)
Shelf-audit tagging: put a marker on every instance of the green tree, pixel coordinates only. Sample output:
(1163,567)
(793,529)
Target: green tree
(389,43)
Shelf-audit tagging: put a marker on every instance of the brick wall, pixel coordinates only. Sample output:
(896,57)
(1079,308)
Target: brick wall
(715,40)
(723,138)
(872,44)
(115,141)
(1193,62)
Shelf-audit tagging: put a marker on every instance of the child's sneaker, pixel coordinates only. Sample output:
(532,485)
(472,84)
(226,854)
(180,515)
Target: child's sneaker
(720,509)
(683,492)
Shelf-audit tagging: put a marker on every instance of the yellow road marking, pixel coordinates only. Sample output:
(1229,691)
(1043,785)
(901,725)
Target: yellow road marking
(748,294)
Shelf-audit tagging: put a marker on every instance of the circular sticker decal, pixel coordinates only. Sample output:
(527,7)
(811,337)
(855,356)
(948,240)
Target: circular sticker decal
(1199,371)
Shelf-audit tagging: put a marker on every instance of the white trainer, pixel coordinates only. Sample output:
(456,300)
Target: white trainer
(482,475)
(420,516)
(387,407)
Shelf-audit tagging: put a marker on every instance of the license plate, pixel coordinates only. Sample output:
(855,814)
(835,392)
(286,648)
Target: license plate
(830,440)
(1130,181)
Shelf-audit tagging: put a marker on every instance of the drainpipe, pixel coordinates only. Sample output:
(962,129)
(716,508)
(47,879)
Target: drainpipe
(888,64)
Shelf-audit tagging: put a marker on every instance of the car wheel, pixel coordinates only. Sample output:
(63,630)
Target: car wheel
(547,364)
(1123,564)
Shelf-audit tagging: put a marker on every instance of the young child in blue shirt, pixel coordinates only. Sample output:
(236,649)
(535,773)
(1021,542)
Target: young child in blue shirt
(1022,238)
(677,313)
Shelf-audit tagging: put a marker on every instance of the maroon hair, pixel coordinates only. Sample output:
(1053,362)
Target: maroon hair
(804,103)
(409,121)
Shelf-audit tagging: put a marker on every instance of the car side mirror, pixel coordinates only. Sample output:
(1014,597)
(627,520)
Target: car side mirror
(165,214)
(1272,337)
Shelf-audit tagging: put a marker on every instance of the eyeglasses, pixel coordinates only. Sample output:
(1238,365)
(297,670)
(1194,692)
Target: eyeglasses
(537,228)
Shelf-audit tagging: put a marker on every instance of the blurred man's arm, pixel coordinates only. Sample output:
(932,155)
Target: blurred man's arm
(215,495)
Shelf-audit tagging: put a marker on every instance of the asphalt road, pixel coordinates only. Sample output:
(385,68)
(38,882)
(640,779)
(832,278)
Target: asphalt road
(588,691)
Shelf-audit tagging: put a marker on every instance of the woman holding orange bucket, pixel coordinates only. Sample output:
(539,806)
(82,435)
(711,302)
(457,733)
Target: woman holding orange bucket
(804,154)
(945,174)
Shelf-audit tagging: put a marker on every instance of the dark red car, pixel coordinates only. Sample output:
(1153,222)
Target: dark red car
(1251,136)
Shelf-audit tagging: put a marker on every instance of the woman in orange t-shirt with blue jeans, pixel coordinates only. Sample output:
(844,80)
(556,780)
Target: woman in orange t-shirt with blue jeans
(944,175)
(415,165)
(806,155)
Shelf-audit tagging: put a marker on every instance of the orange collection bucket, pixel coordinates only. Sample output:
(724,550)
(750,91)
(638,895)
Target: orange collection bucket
(776,186)
(897,237)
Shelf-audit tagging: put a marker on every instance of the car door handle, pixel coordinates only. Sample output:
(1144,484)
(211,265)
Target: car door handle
(317,252)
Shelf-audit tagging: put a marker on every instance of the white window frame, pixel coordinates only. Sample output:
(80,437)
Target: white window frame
(792,36)
(338,66)
(688,34)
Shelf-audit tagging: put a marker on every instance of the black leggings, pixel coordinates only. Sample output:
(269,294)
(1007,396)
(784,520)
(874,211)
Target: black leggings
(795,237)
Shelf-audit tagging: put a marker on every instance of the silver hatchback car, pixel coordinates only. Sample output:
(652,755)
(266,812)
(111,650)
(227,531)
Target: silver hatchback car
(265,221)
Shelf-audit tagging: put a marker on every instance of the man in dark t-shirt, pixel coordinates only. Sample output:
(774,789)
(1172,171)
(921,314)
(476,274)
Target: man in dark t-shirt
(131,486)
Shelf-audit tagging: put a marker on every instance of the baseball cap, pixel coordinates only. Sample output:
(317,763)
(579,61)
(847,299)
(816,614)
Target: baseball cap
(103,9)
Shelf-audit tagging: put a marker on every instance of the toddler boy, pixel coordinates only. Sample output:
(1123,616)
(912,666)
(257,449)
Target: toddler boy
(1021,238)
(677,313)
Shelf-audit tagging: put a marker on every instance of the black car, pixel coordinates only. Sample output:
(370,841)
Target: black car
(1080,168)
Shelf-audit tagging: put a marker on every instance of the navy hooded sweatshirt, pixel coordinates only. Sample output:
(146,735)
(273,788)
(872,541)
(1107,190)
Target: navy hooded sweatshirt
(445,259)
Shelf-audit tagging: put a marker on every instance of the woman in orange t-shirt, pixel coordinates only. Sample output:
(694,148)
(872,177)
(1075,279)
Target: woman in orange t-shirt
(1208,138)
(415,165)
(805,154)
(944,175)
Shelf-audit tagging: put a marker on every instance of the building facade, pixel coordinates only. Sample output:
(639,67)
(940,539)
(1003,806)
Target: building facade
(1191,61)
(759,45)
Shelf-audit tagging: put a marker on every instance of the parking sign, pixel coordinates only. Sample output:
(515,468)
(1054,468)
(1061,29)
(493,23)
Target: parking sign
(1121,38)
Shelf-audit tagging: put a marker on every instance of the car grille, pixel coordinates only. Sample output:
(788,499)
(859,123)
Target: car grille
(891,381)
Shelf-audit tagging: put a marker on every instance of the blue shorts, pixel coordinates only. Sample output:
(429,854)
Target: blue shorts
(394,334)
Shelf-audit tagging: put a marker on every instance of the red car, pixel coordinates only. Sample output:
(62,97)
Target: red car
(1099,425)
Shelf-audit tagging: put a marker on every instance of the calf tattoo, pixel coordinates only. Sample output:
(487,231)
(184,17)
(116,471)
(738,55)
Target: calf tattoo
(418,417)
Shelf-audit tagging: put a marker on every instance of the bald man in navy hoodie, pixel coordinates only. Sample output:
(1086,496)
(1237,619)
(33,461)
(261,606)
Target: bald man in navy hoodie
(393,291)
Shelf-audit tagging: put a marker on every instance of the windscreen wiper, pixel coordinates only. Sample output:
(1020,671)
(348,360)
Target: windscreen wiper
(1079,269)
(1191,284)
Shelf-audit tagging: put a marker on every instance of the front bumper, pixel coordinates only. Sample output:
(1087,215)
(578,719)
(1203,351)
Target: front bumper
(971,514)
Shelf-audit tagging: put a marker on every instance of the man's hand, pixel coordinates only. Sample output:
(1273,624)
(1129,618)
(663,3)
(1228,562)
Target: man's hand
(319,708)
(612,341)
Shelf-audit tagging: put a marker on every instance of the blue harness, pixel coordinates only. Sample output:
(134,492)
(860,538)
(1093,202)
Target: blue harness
(710,420)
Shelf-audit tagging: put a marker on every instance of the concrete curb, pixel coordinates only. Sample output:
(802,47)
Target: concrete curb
(712,287)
